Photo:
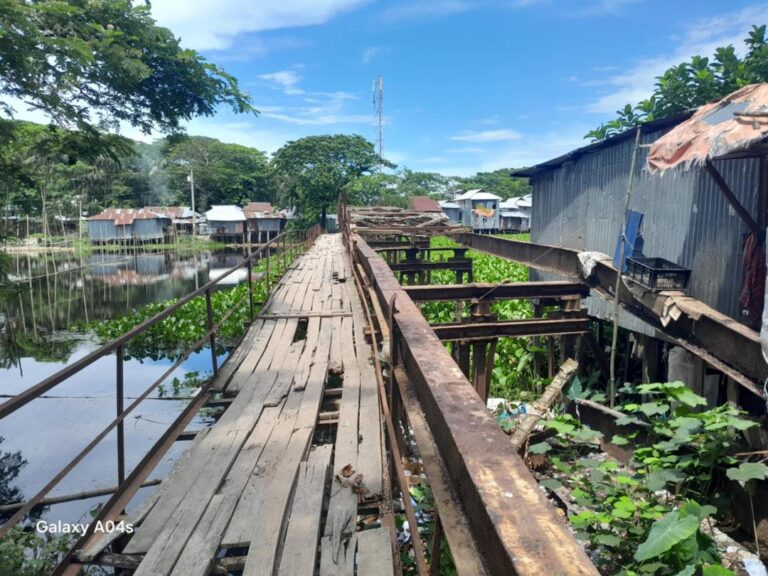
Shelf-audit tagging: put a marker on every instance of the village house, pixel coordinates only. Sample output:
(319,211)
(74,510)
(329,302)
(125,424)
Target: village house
(516,214)
(264,222)
(698,211)
(182,218)
(226,224)
(128,225)
(479,210)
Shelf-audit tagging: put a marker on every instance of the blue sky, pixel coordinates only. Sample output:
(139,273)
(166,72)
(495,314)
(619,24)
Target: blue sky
(468,85)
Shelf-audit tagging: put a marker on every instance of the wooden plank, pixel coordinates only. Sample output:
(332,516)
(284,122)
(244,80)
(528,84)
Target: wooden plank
(338,560)
(136,518)
(237,356)
(239,531)
(374,552)
(268,528)
(174,518)
(253,356)
(299,551)
(369,462)
(342,507)
(200,551)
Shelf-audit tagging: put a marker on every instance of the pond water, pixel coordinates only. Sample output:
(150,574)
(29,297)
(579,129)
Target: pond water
(43,304)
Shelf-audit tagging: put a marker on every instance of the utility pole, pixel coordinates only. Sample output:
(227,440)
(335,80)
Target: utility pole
(191,179)
(378,111)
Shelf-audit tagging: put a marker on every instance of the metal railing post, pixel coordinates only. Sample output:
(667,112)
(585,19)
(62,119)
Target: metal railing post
(120,397)
(269,279)
(250,289)
(209,308)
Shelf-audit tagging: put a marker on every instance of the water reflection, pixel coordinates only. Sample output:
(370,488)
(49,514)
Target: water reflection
(46,297)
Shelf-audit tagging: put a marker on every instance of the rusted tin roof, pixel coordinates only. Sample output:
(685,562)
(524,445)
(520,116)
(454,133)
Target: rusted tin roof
(732,124)
(261,210)
(126,216)
(424,204)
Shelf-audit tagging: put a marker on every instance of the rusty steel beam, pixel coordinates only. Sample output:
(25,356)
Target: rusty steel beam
(488,291)
(515,527)
(697,324)
(509,328)
(421,265)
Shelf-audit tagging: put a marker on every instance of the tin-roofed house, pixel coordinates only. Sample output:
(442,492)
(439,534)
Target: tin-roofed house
(182,218)
(424,204)
(128,225)
(452,210)
(708,215)
(516,214)
(480,210)
(226,224)
(264,222)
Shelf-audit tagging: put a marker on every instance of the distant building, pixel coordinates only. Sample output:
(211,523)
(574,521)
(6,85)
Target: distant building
(452,210)
(424,204)
(226,224)
(264,222)
(181,217)
(516,214)
(127,225)
(479,210)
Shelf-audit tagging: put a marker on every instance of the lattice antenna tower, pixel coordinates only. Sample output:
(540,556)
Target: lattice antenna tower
(378,112)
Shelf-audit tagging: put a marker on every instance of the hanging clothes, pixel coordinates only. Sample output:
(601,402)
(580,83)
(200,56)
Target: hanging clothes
(753,289)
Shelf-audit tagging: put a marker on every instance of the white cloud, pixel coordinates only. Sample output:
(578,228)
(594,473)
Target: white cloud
(701,38)
(467,150)
(489,120)
(426,9)
(500,135)
(213,24)
(371,53)
(286,80)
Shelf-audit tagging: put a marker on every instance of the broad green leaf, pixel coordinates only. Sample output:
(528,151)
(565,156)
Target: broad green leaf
(716,570)
(653,408)
(665,533)
(551,484)
(539,448)
(689,570)
(608,540)
(688,397)
(748,471)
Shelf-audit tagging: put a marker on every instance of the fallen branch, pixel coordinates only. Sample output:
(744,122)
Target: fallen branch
(539,408)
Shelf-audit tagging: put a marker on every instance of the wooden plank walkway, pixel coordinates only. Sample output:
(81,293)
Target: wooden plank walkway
(262,483)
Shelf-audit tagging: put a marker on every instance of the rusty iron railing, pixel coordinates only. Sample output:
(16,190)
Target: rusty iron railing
(283,248)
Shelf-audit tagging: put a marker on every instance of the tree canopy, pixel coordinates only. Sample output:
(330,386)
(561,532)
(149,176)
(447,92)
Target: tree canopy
(694,83)
(311,172)
(224,173)
(92,64)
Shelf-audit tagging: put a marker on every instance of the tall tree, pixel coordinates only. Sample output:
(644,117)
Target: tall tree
(694,83)
(224,173)
(92,64)
(312,171)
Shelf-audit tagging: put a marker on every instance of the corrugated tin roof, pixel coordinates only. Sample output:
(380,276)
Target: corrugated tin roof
(478,195)
(447,204)
(126,216)
(172,211)
(513,214)
(646,128)
(424,204)
(468,194)
(228,213)
(261,210)
(730,125)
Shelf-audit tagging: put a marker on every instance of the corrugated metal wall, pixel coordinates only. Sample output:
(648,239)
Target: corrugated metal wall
(686,218)
(148,229)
